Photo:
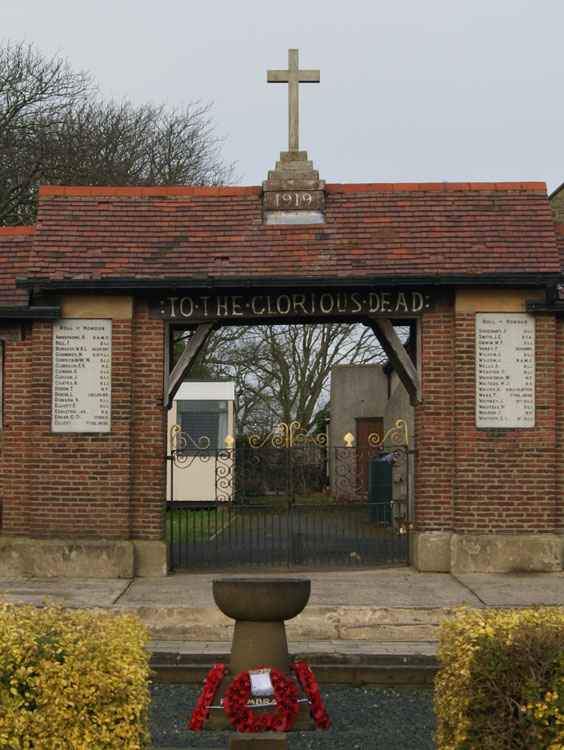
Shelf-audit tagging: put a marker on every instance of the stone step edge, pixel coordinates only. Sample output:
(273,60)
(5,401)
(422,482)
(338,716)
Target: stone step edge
(341,632)
(207,660)
(329,614)
(371,675)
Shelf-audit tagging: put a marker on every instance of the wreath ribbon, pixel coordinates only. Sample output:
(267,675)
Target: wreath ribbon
(242,717)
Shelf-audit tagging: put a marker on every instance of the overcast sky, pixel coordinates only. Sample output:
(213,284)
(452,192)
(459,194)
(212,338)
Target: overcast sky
(411,90)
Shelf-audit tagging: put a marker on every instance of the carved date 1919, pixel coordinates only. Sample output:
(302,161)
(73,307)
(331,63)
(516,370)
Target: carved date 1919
(292,200)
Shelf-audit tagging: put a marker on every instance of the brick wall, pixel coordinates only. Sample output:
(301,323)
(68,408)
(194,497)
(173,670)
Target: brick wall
(559,426)
(487,480)
(17,437)
(557,206)
(79,485)
(434,422)
(148,428)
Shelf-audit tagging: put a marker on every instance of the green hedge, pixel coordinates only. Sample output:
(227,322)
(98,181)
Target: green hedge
(72,680)
(500,684)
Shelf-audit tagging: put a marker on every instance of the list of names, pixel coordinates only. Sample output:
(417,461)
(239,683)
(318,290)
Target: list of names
(505,370)
(81,392)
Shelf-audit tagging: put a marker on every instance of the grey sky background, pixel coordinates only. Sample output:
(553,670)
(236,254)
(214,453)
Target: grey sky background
(411,90)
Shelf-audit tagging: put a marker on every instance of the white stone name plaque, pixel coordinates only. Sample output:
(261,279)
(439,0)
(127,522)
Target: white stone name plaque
(505,370)
(81,392)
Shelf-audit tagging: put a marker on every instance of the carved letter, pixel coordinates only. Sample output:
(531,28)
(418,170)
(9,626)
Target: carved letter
(254,307)
(416,301)
(172,300)
(322,306)
(386,302)
(374,302)
(287,304)
(401,302)
(221,307)
(237,305)
(346,298)
(186,313)
(355,297)
(298,300)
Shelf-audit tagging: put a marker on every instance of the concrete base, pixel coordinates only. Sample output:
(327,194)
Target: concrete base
(443,552)
(150,559)
(63,558)
(506,553)
(264,741)
(431,551)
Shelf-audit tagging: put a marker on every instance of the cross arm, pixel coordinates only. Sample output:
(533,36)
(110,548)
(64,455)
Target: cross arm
(282,76)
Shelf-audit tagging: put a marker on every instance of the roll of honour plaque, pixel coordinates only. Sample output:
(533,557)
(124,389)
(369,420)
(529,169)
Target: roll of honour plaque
(81,390)
(505,370)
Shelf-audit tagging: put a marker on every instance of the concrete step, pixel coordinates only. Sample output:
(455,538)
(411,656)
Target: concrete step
(316,622)
(371,663)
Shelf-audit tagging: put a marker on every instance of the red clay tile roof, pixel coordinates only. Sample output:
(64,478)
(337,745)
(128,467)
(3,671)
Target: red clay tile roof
(15,247)
(374,231)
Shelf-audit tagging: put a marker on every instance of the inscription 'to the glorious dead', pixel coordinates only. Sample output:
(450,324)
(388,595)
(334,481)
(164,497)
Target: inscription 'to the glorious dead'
(292,305)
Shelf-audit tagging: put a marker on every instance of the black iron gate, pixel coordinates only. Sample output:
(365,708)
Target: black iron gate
(291,500)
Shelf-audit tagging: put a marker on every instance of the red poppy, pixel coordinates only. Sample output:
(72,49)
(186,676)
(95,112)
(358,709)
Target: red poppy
(309,686)
(200,713)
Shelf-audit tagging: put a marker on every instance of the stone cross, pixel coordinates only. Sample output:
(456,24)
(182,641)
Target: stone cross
(293,77)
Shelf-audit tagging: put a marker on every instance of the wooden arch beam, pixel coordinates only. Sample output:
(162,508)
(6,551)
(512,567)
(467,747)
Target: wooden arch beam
(399,358)
(174,380)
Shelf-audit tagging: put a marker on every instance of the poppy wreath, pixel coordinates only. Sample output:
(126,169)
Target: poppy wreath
(200,713)
(243,718)
(308,684)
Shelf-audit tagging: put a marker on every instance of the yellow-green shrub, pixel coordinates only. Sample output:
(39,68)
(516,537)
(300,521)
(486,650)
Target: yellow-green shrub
(72,680)
(500,684)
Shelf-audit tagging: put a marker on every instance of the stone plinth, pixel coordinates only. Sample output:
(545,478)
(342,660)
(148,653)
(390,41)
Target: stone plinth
(294,188)
(259,607)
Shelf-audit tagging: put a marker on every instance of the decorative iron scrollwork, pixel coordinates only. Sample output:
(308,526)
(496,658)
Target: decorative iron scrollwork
(185,450)
(288,435)
(396,435)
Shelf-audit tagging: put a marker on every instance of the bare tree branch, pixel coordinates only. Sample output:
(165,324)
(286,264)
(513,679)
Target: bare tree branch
(54,129)
(283,372)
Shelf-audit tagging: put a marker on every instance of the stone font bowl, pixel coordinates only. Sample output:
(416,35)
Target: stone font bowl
(261,599)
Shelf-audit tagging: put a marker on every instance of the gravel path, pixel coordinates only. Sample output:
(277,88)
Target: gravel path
(363,718)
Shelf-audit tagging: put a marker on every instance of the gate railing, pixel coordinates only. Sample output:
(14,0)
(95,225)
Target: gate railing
(289,499)
(289,461)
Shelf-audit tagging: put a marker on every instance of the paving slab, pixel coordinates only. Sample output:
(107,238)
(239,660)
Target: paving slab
(515,589)
(73,592)
(393,587)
